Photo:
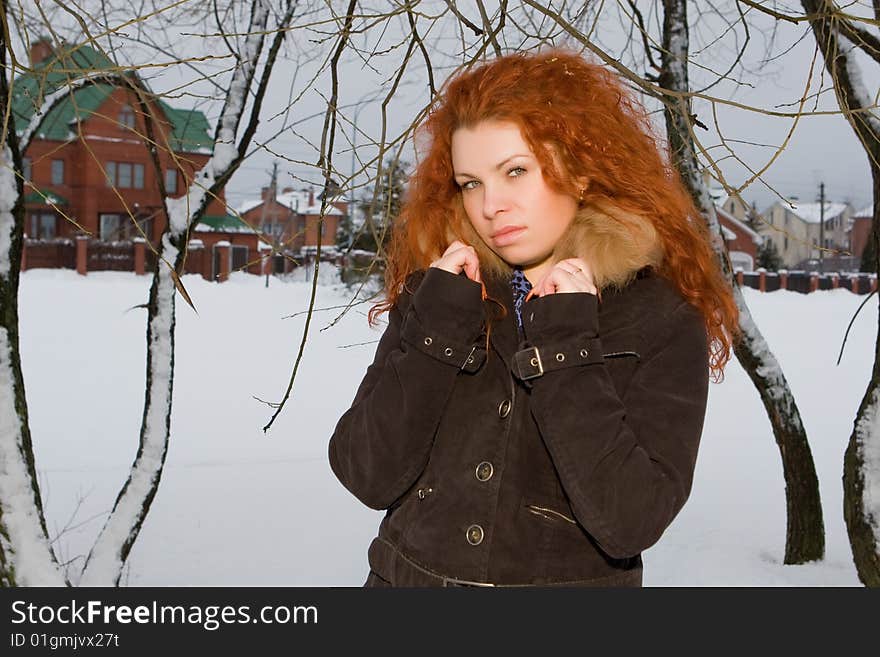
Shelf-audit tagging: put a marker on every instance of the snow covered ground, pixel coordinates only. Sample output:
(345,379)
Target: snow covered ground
(237,507)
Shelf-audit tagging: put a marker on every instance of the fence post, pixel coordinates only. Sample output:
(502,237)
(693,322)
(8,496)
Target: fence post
(224,248)
(835,280)
(82,254)
(265,259)
(873,282)
(762,279)
(783,279)
(739,277)
(24,254)
(854,283)
(139,256)
(195,259)
(814,281)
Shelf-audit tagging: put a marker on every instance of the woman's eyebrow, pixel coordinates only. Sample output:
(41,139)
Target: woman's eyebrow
(497,166)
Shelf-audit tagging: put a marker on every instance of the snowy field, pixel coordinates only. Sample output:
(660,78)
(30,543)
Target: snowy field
(237,507)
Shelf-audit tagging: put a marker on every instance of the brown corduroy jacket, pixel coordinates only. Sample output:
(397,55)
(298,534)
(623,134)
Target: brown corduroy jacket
(554,460)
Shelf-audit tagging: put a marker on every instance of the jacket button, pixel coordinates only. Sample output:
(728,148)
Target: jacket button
(504,408)
(484,471)
(475,534)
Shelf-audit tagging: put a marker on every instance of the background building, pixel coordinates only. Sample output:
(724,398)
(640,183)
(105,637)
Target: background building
(88,172)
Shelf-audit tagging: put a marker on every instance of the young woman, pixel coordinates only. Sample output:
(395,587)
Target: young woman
(534,408)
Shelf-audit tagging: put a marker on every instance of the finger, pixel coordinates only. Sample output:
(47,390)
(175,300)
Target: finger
(454,246)
(473,264)
(561,279)
(582,266)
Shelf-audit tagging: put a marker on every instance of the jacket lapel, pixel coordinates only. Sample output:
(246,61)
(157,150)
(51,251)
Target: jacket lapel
(504,337)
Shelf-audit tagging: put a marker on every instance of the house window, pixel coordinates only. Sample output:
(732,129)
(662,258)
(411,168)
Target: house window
(126,118)
(43,226)
(26,168)
(786,243)
(123,175)
(57,172)
(170,181)
(111,227)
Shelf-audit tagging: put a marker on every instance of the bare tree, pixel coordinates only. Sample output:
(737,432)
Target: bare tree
(805,535)
(842,37)
(25,556)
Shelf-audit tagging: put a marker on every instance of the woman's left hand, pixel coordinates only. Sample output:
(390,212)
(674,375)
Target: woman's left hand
(570,275)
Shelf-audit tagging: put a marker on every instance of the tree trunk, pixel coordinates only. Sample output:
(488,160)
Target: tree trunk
(107,557)
(861,462)
(26,557)
(805,534)
(838,38)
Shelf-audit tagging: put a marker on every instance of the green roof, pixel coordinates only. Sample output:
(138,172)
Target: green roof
(190,131)
(225,223)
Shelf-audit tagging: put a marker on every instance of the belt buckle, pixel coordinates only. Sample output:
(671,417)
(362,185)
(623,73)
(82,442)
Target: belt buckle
(533,361)
(464,582)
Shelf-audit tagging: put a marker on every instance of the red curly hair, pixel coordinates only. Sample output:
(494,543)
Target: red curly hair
(578,115)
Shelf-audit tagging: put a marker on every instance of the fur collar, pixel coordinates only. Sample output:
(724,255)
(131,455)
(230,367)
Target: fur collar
(617,245)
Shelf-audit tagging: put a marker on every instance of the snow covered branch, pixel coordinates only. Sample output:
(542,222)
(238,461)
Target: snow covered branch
(107,557)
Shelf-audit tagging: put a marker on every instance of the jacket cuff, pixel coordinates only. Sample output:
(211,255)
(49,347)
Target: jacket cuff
(560,317)
(450,305)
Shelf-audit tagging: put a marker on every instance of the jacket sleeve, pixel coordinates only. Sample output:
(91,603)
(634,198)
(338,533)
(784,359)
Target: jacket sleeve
(381,444)
(626,464)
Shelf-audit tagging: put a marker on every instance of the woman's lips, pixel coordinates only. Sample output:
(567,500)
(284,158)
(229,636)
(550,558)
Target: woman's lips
(508,235)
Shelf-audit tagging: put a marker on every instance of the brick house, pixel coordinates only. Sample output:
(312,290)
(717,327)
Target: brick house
(860,231)
(742,241)
(89,175)
(288,221)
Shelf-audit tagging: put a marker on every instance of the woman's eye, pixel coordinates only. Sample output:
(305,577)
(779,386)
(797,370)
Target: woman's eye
(520,171)
(469,184)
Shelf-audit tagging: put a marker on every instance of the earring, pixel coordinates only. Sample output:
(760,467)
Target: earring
(581,195)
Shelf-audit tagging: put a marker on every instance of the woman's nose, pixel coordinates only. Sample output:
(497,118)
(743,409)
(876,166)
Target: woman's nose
(495,200)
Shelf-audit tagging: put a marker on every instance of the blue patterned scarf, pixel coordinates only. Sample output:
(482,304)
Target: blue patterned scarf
(521,287)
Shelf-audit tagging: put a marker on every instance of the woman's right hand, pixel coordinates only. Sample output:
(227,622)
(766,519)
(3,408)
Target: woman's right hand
(460,257)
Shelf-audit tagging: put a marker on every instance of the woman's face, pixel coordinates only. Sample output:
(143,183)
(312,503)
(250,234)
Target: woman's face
(506,198)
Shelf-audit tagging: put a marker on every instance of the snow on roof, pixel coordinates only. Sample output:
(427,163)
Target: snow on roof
(718,194)
(744,227)
(316,209)
(247,206)
(867,211)
(811,212)
(296,200)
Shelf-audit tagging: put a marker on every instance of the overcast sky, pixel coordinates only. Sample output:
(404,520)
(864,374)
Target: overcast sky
(821,149)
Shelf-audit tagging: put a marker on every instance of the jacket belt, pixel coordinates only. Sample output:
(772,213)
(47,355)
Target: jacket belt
(389,562)
(534,361)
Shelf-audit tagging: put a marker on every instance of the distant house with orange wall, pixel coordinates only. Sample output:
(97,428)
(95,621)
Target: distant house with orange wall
(289,220)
